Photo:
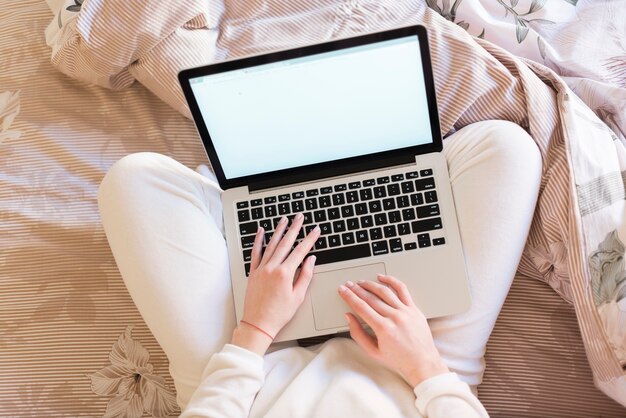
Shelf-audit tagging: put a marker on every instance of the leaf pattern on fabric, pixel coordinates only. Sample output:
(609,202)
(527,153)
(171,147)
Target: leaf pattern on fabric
(448,12)
(608,281)
(9,109)
(131,379)
(552,264)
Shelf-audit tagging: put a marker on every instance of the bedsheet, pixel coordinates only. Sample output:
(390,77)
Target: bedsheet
(65,316)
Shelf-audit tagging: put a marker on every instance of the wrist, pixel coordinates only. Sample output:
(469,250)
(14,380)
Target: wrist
(426,371)
(251,339)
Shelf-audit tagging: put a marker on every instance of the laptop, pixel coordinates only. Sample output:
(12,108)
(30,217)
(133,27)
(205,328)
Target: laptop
(346,132)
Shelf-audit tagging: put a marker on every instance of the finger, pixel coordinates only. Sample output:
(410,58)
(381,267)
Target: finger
(286,244)
(278,234)
(372,300)
(362,338)
(383,292)
(362,308)
(304,278)
(257,247)
(399,287)
(302,249)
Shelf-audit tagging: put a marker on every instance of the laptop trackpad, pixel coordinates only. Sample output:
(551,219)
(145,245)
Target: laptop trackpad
(328,307)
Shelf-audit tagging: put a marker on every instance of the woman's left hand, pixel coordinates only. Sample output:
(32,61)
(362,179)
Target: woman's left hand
(272,295)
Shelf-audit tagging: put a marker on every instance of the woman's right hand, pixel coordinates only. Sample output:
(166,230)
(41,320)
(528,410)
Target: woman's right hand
(402,340)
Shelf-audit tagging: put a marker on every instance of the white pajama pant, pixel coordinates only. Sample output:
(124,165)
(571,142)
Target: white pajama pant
(164,225)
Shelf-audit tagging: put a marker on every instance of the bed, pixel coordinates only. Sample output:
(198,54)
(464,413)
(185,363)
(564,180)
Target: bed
(65,315)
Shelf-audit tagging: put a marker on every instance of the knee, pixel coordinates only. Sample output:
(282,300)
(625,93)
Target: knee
(512,145)
(126,175)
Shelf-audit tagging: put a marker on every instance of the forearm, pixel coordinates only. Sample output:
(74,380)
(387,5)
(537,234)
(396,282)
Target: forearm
(230,383)
(445,396)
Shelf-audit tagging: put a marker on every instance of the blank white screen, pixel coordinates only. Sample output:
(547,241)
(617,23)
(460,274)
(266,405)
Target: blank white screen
(323,107)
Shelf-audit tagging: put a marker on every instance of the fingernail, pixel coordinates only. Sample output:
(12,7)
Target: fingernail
(312,259)
(316,229)
(282,220)
(361,281)
(349,283)
(299,216)
(342,288)
(258,231)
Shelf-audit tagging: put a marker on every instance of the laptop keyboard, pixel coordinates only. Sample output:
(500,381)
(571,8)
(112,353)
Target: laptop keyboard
(364,218)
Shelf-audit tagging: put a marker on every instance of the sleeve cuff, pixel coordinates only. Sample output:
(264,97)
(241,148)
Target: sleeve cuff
(447,384)
(236,356)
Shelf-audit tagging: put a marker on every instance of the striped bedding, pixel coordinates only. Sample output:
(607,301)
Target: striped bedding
(63,306)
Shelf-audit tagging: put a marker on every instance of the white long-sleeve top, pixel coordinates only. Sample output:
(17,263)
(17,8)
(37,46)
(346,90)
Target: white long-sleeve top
(337,379)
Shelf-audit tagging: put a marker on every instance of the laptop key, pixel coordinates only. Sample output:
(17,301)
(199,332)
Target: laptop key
(336,255)
(404,229)
(427,211)
(412,175)
(325,228)
(284,209)
(297,206)
(431,196)
(256,202)
(426,225)
(380,219)
(310,204)
(389,231)
(334,241)
(266,224)
(320,244)
(312,192)
(380,192)
(340,187)
(374,206)
(425,184)
(352,197)
(382,180)
(308,218)
(393,189)
(270,211)
(439,241)
(367,221)
(339,199)
(365,194)
(270,199)
(354,185)
(247,255)
(284,197)
(407,187)
(427,172)
(397,177)
(380,247)
(347,238)
(243,215)
(319,216)
(242,205)
(247,269)
(423,243)
(395,245)
(248,228)
(417,199)
(362,236)
(339,226)
(353,223)
(326,190)
(368,182)
(360,208)
(334,213)
(389,204)
(410,246)
(408,214)
(403,201)
(376,233)
(325,201)
(297,195)
(257,213)
(347,211)
(394,216)
(247,241)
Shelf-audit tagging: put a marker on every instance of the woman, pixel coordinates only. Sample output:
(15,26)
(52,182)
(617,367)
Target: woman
(164,225)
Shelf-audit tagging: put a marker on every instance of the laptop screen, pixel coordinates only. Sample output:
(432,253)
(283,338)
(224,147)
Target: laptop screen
(317,108)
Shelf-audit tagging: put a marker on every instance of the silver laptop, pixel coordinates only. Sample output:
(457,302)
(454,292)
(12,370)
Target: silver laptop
(346,132)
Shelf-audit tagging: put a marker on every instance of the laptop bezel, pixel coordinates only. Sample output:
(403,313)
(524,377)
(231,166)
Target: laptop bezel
(327,169)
